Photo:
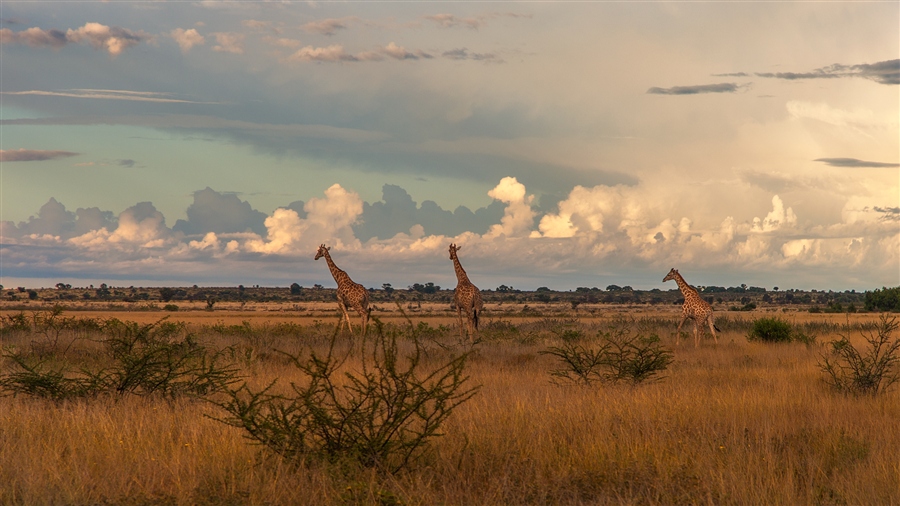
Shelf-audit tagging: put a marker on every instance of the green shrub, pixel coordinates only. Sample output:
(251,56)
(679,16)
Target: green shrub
(867,371)
(771,330)
(170,307)
(381,415)
(622,353)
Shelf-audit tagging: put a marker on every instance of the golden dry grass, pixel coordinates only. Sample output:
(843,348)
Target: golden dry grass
(741,423)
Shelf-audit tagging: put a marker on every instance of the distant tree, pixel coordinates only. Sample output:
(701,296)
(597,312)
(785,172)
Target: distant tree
(504,289)
(32,294)
(388,289)
(613,288)
(166,294)
(886,299)
(426,288)
(317,286)
(296,289)
(542,289)
(61,286)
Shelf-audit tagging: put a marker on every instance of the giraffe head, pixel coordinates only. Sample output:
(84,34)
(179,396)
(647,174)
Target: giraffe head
(671,275)
(322,251)
(453,249)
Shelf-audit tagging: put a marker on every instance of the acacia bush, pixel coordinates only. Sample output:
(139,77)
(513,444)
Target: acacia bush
(868,371)
(368,404)
(128,358)
(622,353)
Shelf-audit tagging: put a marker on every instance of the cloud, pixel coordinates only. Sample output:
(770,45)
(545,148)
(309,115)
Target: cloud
(328,26)
(853,162)
(518,218)
(399,53)
(34,37)
(450,21)
(778,218)
(884,72)
(697,89)
(397,213)
(187,39)
(465,54)
(212,211)
(336,53)
(229,42)
(858,120)
(136,96)
(332,53)
(32,155)
(112,39)
(328,220)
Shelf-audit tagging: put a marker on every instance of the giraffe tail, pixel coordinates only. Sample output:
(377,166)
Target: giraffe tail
(717,328)
(475,317)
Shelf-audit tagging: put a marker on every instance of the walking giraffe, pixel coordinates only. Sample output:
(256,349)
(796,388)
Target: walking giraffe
(348,293)
(694,308)
(467,297)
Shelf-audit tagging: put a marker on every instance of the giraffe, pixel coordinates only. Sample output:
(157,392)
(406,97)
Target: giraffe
(695,308)
(467,297)
(348,293)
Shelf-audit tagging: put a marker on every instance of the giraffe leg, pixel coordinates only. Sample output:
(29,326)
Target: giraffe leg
(460,319)
(346,318)
(678,332)
(712,328)
(364,313)
(696,334)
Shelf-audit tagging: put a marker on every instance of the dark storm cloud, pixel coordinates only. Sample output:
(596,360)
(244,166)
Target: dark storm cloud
(853,162)
(221,213)
(397,212)
(32,155)
(884,72)
(697,89)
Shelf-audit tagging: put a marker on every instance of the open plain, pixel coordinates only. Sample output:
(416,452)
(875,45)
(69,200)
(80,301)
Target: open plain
(741,422)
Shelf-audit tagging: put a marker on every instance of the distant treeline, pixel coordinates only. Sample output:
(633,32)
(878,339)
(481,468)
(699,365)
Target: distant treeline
(741,297)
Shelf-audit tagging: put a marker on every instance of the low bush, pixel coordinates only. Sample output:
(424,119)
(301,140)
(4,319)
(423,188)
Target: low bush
(622,353)
(868,371)
(771,330)
(381,415)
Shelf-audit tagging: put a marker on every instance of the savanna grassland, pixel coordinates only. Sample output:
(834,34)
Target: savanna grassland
(740,422)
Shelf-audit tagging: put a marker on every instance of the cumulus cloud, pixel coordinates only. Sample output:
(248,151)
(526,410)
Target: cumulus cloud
(697,89)
(212,211)
(332,53)
(328,219)
(518,218)
(884,72)
(397,213)
(187,39)
(35,37)
(112,39)
(778,218)
(621,230)
(853,162)
(336,53)
(465,54)
(227,42)
(32,155)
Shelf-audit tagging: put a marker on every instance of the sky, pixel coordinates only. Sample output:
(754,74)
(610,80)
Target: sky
(560,144)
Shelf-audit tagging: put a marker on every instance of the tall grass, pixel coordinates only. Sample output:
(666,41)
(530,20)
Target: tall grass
(741,423)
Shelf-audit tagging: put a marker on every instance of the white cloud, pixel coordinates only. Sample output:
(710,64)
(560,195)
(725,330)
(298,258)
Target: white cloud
(229,42)
(778,218)
(113,39)
(187,39)
(328,220)
(518,218)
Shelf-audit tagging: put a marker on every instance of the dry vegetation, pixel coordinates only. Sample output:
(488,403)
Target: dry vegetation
(740,423)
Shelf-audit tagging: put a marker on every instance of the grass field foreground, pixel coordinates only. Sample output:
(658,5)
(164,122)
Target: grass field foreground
(738,423)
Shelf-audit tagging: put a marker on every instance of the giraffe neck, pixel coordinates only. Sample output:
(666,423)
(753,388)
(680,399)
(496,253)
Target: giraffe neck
(461,276)
(686,289)
(339,276)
